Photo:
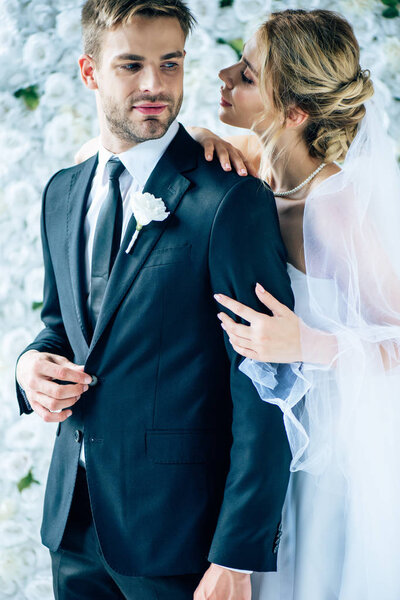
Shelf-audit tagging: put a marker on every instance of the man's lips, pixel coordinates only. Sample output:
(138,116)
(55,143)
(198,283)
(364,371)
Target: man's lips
(151,109)
(224,102)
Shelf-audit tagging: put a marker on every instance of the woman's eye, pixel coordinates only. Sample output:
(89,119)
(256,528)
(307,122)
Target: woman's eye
(246,79)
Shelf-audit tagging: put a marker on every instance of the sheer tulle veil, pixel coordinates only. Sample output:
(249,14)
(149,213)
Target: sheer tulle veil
(343,419)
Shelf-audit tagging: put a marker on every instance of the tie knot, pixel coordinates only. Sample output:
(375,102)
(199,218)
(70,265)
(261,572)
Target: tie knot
(114,168)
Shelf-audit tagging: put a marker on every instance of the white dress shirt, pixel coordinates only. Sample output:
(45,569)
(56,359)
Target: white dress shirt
(139,161)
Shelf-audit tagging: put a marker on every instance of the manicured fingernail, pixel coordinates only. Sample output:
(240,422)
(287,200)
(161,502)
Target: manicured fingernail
(223,326)
(227,167)
(260,288)
(208,157)
(217,296)
(86,387)
(219,316)
(243,172)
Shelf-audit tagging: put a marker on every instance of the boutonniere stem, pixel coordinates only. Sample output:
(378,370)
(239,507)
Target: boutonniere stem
(145,208)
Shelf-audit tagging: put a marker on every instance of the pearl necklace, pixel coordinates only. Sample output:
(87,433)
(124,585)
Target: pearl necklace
(301,185)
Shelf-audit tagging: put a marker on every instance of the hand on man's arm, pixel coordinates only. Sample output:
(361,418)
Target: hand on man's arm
(36,372)
(246,247)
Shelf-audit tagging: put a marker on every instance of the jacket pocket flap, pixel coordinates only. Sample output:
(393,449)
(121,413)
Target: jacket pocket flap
(180,447)
(166,256)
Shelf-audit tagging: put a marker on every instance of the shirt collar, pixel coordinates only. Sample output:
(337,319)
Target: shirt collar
(141,159)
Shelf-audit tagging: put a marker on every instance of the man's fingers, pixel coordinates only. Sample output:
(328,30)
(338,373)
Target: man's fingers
(52,403)
(63,371)
(48,416)
(239,309)
(61,392)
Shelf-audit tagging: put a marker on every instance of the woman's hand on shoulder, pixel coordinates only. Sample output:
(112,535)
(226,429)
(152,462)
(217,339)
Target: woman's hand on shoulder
(228,154)
(87,150)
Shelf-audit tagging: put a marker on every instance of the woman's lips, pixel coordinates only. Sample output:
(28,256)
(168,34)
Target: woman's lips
(224,102)
(151,109)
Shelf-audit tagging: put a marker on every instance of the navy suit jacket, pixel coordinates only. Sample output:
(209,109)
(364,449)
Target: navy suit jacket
(185,464)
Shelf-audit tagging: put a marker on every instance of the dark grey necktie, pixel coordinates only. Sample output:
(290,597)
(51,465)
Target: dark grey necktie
(107,239)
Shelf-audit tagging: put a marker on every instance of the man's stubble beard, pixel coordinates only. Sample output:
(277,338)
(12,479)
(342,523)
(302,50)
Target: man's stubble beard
(150,128)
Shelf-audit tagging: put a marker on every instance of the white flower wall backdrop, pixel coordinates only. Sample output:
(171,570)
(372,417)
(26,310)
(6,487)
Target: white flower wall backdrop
(46,114)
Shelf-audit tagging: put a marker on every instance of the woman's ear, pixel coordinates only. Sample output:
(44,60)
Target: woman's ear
(295,117)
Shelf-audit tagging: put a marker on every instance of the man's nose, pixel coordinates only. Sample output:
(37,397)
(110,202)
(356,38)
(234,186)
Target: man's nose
(150,81)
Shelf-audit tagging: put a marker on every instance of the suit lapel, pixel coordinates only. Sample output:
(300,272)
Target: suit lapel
(168,183)
(77,200)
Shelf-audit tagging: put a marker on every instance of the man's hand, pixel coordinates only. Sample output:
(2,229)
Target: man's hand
(35,374)
(222,584)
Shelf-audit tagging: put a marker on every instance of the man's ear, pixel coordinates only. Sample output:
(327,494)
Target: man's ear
(295,117)
(88,71)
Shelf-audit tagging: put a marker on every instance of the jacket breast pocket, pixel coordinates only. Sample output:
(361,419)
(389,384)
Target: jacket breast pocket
(168,256)
(180,447)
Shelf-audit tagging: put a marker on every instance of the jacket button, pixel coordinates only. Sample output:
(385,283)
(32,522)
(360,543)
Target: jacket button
(78,436)
(94,381)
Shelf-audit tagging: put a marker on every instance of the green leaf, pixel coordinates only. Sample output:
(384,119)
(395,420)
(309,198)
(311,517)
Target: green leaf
(237,45)
(391,12)
(30,96)
(37,305)
(225,3)
(390,2)
(26,481)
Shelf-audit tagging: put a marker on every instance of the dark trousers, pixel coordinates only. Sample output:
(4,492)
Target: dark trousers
(80,571)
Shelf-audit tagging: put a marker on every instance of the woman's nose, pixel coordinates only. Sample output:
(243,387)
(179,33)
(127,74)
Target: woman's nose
(225,76)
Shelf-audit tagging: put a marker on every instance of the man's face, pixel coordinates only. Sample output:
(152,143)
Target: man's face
(139,77)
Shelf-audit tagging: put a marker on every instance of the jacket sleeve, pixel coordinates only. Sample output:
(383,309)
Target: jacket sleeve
(53,337)
(245,248)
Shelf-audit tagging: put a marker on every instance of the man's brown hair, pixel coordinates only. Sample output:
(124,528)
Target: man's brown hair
(102,15)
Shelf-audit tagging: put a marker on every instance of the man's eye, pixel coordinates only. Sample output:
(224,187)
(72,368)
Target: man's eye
(131,66)
(170,65)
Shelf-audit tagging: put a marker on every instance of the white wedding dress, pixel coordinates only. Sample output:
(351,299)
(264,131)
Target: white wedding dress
(311,556)
(341,518)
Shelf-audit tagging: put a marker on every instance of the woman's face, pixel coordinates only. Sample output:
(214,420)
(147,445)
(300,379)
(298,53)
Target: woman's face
(241,104)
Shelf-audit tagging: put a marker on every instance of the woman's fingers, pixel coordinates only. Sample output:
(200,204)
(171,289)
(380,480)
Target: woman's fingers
(276,307)
(223,155)
(239,309)
(247,352)
(233,328)
(238,161)
(209,150)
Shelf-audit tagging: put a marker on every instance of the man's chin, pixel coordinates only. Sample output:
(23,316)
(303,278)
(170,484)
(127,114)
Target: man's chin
(151,129)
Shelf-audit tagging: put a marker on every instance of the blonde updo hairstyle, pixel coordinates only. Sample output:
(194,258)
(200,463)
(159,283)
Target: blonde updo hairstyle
(310,59)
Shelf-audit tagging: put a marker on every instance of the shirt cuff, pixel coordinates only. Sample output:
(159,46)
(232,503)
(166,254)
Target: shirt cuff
(236,570)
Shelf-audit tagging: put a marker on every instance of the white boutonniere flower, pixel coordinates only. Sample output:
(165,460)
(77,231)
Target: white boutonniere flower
(146,208)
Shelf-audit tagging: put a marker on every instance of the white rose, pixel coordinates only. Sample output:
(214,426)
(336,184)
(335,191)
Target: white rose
(12,533)
(14,145)
(39,589)
(10,107)
(206,12)
(147,208)
(58,90)
(8,508)
(16,465)
(41,16)
(9,588)
(69,26)
(40,52)
(245,10)
(20,196)
(24,434)
(13,342)
(228,26)
(34,284)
